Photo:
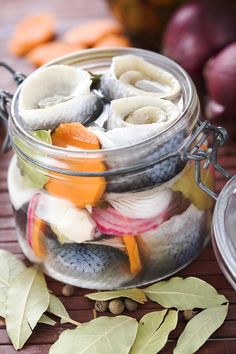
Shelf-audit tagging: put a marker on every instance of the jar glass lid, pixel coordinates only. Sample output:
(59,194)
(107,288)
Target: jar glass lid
(224,229)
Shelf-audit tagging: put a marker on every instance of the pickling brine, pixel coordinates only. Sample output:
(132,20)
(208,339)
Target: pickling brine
(102,199)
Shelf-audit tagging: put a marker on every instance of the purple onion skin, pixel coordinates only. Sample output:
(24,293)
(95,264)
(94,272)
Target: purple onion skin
(198,30)
(220,78)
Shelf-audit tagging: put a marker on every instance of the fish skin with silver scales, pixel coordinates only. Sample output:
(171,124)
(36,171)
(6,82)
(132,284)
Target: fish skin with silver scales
(92,266)
(153,176)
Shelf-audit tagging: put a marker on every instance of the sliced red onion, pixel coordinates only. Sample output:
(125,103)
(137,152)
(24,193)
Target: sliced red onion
(110,222)
(142,205)
(31,216)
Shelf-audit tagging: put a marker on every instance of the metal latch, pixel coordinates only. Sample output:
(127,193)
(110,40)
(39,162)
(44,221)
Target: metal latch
(208,156)
(5,102)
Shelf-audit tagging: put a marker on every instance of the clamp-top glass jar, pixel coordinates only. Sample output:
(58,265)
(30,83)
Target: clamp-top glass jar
(116,217)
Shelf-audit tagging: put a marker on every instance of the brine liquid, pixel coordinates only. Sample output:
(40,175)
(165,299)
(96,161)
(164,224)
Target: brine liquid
(166,243)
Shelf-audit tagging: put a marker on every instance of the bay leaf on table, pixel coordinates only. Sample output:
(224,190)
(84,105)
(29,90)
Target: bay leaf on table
(104,335)
(134,294)
(27,300)
(153,332)
(44,319)
(57,308)
(184,294)
(200,328)
(10,267)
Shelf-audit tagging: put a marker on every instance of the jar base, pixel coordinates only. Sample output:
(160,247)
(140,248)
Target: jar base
(101,281)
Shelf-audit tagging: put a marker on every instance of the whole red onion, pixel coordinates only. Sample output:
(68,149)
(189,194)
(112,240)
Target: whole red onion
(220,77)
(198,30)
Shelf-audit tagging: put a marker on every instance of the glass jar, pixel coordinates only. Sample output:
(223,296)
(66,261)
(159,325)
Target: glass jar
(149,219)
(224,231)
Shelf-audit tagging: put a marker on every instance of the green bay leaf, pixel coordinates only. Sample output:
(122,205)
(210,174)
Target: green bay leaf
(35,176)
(153,332)
(136,294)
(104,335)
(43,135)
(57,308)
(147,327)
(200,328)
(44,319)
(10,267)
(27,300)
(184,294)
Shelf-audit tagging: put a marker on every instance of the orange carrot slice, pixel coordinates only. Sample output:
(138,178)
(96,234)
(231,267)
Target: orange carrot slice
(113,40)
(37,238)
(46,52)
(31,32)
(81,191)
(204,147)
(75,134)
(90,32)
(133,253)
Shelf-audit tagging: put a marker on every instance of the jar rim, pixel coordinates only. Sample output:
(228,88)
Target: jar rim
(188,91)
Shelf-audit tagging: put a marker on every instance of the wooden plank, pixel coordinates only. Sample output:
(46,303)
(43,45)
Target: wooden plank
(213,346)
(79,303)
(6,209)
(3,185)
(7,223)
(3,174)
(13,247)
(220,346)
(28,349)
(218,281)
(4,198)
(80,308)
(7,236)
(48,334)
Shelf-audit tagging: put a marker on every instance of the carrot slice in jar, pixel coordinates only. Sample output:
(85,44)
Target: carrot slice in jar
(133,253)
(75,134)
(38,239)
(81,191)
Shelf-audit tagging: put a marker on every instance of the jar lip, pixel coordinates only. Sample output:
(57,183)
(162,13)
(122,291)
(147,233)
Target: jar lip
(221,236)
(104,53)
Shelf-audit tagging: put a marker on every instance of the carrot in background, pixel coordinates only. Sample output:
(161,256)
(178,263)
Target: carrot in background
(46,52)
(113,40)
(88,33)
(31,32)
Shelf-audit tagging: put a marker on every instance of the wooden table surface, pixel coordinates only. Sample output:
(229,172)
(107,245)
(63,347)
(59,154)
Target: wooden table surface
(205,266)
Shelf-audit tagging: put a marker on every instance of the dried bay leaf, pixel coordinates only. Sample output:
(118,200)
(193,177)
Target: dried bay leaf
(184,294)
(36,178)
(104,335)
(10,267)
(153,332)
(134,294)
(200,328)
(46,320)
(57,308)
(27,300)
(147,327)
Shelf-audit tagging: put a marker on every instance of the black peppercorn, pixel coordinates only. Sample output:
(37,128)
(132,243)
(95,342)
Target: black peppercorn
(68,290)
(116,306)
(130,305)
(101,306)
(189,314)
